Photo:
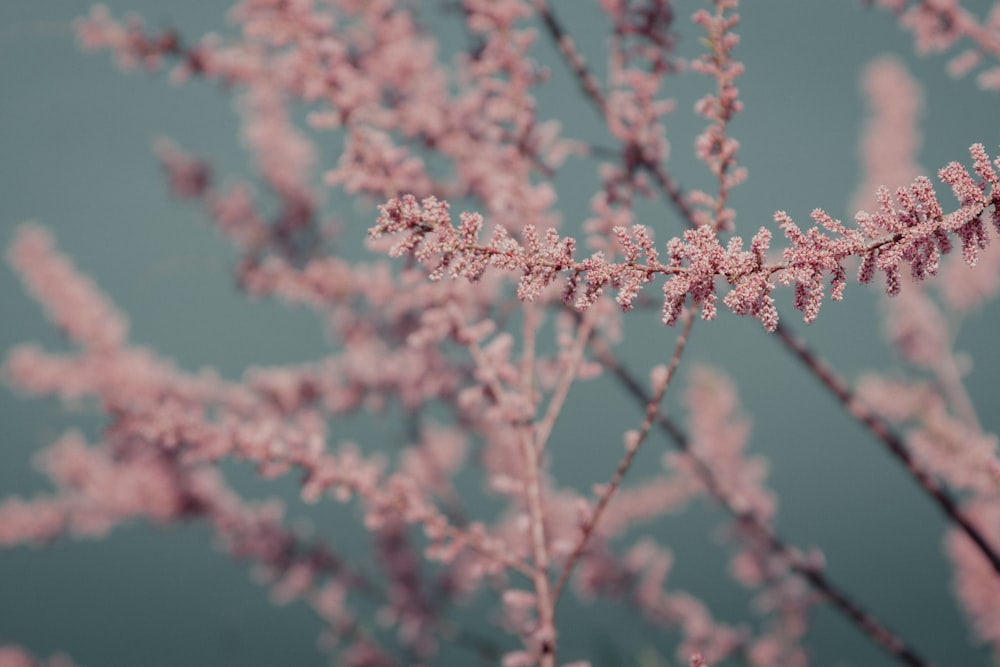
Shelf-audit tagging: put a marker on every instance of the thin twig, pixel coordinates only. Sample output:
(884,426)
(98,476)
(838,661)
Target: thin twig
(543,429)
(892,442)
(853,611)
(632,448)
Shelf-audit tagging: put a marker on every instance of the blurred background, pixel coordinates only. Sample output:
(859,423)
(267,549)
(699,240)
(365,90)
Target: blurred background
(76,139)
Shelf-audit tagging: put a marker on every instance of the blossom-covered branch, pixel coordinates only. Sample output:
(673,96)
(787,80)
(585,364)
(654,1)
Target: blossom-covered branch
(908,230)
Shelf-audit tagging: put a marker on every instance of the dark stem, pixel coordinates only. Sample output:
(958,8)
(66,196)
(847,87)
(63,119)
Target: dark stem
(854,612)
(892,442)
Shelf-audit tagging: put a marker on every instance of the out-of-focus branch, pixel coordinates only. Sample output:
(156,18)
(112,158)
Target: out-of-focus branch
(852,611)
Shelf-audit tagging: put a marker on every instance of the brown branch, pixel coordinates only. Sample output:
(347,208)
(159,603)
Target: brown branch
(853,611)
(892,442)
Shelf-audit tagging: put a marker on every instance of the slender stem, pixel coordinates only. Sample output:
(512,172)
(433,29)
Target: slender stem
(543,429)
(669,187)
(546,631)
(853,611)
(531,448)
(892,442)
(632,448)
(533,494)
(592,92)
(574,59)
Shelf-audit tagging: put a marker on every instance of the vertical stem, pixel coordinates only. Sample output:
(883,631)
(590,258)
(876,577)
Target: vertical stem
(530,452)
(546,632)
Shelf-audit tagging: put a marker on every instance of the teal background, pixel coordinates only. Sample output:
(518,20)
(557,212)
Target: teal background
(75,154)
